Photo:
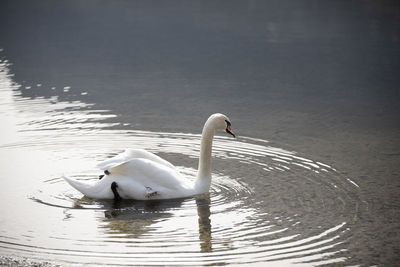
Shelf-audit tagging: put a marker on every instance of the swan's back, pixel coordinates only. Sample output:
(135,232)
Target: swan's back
(130,154)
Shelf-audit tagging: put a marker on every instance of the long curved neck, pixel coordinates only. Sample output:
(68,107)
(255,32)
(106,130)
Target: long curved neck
(203,181)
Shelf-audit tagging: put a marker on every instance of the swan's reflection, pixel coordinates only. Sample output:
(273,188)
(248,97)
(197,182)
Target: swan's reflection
(134,218)
(203,212)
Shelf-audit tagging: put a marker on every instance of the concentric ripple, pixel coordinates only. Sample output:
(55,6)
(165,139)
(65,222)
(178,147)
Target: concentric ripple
(266,204)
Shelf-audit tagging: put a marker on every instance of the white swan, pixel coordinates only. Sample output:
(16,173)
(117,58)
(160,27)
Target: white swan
(141,175)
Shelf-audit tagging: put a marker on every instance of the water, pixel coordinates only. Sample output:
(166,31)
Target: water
(261,207)
(311,90)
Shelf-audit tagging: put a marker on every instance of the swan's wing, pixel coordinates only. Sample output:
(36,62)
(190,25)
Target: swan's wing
(130,154)
(151,174)
(139,179)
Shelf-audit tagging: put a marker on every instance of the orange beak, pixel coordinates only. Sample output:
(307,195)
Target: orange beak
(229,130)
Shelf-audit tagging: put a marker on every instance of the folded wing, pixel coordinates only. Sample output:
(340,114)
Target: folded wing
(144,174)
(130,154)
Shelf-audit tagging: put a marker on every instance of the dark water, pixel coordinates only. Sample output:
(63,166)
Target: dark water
(311,87)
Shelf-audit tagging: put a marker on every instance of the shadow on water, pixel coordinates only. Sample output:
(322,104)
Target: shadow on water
(130,218)
(133,218)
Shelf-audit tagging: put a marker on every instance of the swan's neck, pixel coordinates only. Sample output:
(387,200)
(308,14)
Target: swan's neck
(203,181)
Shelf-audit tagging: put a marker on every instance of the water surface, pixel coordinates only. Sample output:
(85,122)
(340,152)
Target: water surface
(265,202)
(311,89)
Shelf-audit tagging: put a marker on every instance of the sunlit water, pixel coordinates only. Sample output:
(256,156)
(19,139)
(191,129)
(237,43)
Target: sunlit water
(266,204)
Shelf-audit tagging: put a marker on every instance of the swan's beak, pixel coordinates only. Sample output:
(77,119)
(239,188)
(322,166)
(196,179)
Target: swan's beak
(229,131)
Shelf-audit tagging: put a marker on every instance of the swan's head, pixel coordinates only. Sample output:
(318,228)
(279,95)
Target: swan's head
(220,122)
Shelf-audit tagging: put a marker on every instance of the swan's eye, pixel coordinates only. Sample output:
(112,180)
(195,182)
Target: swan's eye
(228,123)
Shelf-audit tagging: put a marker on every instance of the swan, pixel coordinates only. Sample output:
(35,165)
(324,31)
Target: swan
(141,175)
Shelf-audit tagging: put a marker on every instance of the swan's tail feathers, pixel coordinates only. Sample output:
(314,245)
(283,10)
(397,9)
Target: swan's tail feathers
(78,185)
(99,190)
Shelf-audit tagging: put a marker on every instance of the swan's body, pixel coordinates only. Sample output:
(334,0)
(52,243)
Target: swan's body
(141,175)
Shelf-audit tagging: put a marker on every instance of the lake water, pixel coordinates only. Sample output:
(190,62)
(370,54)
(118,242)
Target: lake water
(311,89)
